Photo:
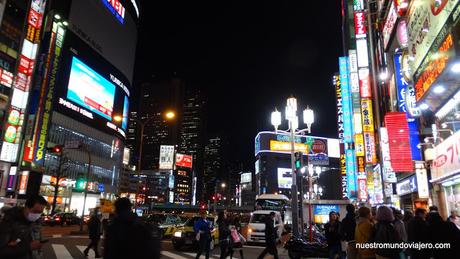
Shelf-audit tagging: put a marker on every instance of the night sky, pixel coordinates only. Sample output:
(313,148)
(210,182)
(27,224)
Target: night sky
(248,57)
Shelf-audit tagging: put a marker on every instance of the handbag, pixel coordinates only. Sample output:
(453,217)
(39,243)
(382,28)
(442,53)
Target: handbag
(197,237)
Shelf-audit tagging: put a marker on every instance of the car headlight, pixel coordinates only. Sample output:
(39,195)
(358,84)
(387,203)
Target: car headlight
(178,234)
(249,230)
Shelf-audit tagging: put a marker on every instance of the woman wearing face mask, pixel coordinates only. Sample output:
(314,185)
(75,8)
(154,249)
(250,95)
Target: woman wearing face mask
(20,235)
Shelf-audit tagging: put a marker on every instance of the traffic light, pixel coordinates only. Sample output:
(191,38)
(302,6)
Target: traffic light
(57,149)
(80,185)
(298,160)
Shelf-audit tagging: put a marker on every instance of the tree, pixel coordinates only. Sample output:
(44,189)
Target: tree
(59,172)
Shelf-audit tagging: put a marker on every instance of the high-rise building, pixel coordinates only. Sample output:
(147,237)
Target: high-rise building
(73,86)
(193,131)
(213,167)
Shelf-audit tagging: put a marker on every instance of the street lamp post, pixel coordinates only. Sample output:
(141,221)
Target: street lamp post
(291,116)
(169,115)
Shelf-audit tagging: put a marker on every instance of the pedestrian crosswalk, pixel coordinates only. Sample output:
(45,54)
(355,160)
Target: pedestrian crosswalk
(61,251)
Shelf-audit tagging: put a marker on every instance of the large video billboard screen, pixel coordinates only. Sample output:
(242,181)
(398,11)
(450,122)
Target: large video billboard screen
(91,89)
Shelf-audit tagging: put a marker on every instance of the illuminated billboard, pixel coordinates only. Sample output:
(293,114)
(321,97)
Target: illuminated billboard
(93,91)
(284,178)
(90,90)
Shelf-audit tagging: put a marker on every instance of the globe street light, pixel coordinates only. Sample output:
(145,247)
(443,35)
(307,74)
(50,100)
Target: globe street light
(291,116)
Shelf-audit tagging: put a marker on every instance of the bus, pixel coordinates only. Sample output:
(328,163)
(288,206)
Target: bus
(275,202)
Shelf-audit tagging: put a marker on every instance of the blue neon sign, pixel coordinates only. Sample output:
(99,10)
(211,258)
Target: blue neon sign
(346,101)
(402,84)
(351,173)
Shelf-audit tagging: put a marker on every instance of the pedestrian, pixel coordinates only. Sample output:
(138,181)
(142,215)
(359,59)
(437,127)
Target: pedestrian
(332,235)
(454,218)
(202,228)
(270,237)
(20,234)
(224,234)
(236,242)
(94,231)
(364,232)
(399,224)
(418,232)
(128,236)
(347,232)
(408,215)
(440,231)
(386,233)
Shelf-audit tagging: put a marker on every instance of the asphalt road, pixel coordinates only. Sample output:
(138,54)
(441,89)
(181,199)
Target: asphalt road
(71,247)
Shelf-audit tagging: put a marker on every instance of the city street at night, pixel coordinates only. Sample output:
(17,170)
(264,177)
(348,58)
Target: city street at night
(245,129)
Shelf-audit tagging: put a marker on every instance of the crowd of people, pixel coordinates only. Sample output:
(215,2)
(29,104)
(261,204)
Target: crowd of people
(126,236)
(385,225)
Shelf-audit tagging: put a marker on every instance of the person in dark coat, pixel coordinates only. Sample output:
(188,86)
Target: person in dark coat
(270,237)
(440,231)
(347,231)
(386,233)
(128,237)
(332,235)
(203,228)
(418,232)
(20,234)
(94,231)
(224,234)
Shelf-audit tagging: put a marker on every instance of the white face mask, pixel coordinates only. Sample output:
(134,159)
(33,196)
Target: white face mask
(32,217)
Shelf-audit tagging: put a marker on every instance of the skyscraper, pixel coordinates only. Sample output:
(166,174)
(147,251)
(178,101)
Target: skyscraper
(193,131)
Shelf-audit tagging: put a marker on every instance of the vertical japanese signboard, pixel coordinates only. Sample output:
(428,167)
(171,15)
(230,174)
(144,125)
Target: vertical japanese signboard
(346,101)
(21,83)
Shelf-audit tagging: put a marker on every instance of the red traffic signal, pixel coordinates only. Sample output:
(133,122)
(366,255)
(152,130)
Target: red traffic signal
(57,149)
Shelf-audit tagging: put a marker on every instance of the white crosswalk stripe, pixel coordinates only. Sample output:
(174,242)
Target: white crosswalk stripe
(91,253)
(171,255)
(61,252)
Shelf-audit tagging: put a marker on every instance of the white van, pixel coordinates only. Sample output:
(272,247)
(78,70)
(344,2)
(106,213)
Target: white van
(256,227)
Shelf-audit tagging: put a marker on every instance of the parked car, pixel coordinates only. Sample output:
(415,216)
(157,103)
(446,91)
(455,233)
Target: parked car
(64,218)
(45,219)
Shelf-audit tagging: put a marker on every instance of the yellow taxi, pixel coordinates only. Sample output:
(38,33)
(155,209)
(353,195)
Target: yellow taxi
(186,236)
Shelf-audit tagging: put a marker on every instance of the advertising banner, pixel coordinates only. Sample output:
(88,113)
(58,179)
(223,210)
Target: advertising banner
(184,160)
(166,157)
(388,175)
(351,173)
(402,86)
(447,159)
(346,101)
(359,144)
(284,178)
(389,24)
(426,18)
(360,24)
(321,212)
(422,180)
(343,174)
(43,116)
(338,95)
(398,136)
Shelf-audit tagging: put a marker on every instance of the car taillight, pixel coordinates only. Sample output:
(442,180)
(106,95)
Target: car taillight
(58,219)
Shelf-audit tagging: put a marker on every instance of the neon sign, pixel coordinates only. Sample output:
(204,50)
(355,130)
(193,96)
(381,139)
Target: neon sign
(116,8)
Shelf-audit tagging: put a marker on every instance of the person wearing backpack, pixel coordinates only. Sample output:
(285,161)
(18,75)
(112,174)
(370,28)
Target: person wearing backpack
(386,233)
(128,237)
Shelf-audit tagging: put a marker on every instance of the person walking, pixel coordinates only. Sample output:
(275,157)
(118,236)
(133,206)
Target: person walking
(408,215)
(347,232)
(94,231)
(364,232)
(418,232)
(20,234)
(454,218)
(439,232)
(203,230)
(224,234)
(128,237)
(386,233)
(270,237)
(399,224)
(332,235)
